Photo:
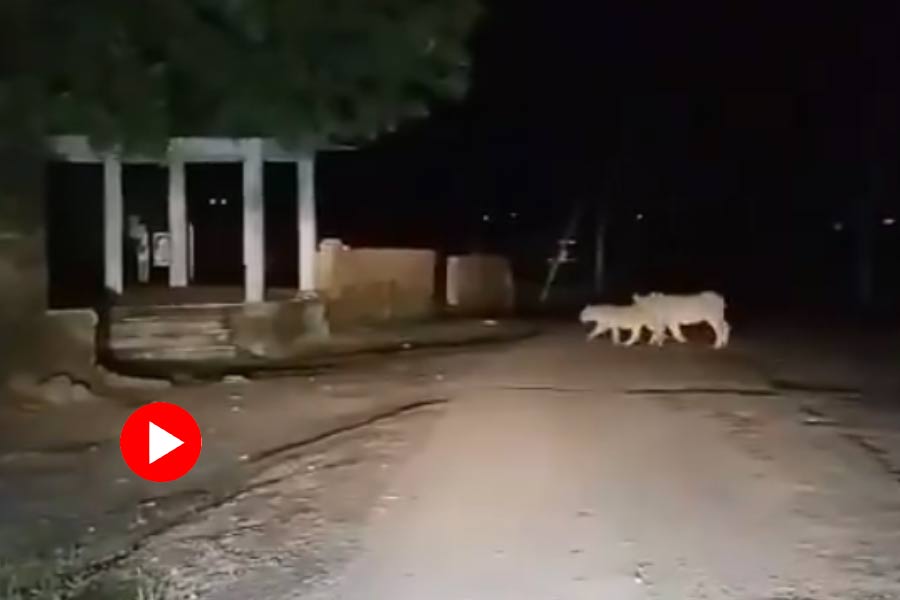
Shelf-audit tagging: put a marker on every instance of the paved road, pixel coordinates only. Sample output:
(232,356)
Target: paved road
(562,470)
(567,471)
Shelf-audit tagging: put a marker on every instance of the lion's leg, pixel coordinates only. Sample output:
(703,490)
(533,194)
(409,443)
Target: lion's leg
(615,336)
(722,330)
(717,328)
(635,336)
(677,334)
(597,330)
(658,336)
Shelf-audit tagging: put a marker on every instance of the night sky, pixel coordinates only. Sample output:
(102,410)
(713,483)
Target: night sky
(744,137)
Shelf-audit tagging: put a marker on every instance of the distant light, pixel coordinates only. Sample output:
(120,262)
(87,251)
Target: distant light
(224,201)
(513,215)
(212,201)
(639,217)
(889,221)
(837,226)
(486,218)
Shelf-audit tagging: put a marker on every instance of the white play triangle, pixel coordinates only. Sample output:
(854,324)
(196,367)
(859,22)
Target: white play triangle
(161,442)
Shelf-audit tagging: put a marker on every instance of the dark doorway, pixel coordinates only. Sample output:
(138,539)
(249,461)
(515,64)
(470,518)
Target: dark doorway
(74,218)
(280,192)
(215,212)
(145,191)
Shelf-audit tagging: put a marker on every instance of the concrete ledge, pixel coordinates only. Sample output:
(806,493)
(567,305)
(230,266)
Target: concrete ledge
(316,353)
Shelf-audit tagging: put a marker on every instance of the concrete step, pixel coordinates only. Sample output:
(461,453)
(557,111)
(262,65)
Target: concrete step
(171,333)
(184,353)
(169,313)
(172,341)
(166,328)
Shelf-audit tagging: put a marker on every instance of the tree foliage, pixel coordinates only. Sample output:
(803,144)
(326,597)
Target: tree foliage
(139,71)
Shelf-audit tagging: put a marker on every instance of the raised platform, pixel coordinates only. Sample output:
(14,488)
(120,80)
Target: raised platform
(211,331)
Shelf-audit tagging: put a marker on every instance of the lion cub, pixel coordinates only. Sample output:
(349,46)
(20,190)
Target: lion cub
(611,317)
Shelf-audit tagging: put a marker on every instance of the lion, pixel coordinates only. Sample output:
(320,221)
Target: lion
(611,317)
(675,310)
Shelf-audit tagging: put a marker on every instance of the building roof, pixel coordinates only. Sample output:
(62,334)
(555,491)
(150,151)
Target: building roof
(77,148)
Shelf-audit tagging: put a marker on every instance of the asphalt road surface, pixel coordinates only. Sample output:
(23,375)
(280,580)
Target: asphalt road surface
(565,470)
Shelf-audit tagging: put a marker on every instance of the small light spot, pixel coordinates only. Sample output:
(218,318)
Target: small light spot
(837,226)
(212,201)
(486,218)
(889,221)
(639,217)
(513,215)
(224,201)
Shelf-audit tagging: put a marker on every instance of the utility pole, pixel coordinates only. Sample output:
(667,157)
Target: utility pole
(601,225)
(563,251)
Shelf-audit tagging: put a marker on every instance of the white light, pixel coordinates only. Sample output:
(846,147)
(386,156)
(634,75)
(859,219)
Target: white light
(837,226)
(639,216)
(486,218)
(888,221)
(212,201)
(224,201)
(513,215)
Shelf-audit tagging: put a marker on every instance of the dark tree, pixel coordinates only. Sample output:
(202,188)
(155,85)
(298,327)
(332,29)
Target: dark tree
(138,72)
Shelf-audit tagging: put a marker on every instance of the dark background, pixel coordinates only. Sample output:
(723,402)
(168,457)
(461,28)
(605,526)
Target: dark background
(744,137)
(750,149)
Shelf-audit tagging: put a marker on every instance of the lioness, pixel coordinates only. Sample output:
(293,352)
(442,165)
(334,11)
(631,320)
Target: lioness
(611,317)
(675,310)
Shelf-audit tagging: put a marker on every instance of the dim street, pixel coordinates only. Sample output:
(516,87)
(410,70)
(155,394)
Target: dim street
(560,469)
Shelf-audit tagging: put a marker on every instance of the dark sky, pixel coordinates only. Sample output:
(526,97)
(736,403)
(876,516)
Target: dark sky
(561,87)
(751,120)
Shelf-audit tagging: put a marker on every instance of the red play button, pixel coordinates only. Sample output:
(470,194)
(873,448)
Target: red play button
(160,442)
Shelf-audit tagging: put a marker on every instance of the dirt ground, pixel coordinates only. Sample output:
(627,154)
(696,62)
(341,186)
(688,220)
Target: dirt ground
(546,469)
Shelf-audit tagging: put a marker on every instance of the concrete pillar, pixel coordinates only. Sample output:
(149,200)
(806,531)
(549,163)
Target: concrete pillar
(112,223)
(254,224)
(306,222)
(327,281)
(178,227)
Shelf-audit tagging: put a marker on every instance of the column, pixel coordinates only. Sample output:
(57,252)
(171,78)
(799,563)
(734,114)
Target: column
(254,225)
(306,223)
(178,227)
(112,223)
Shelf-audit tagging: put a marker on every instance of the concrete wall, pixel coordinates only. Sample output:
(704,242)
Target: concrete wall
(274,329)
(34,338)
(70,337)
(24,333)
(480,285)
(375,284)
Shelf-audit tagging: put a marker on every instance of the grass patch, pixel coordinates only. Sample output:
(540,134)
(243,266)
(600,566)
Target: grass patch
(52,580)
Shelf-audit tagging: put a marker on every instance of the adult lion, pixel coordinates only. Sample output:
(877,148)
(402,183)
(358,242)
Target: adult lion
(675,310)
(613,318)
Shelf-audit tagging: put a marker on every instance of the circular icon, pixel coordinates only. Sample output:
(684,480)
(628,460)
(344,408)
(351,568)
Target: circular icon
(160,442)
